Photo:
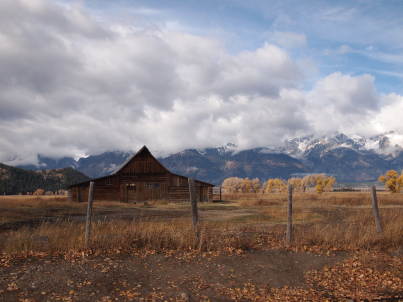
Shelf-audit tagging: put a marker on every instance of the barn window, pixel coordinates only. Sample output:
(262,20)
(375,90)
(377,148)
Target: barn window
(131,187)
(108,181)
(152,185)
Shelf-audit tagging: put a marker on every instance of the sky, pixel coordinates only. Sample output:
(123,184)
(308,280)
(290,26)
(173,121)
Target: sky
(85,77)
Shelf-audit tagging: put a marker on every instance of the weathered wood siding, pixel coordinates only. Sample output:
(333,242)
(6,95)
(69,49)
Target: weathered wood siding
(179,189)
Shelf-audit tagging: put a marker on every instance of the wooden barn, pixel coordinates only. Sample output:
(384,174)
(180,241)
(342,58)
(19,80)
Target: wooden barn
(142,178)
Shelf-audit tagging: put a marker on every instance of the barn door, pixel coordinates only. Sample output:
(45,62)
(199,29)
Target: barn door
(152,191)
(131,192)
(140,191)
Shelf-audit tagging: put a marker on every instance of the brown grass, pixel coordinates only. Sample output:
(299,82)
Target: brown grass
(331,220)
(327,198)
(356,231)
(13,200)
(112,235)
(29,207)
(19,208)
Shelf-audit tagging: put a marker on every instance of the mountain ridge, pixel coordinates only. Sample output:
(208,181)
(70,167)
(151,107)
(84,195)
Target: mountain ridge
(348,158)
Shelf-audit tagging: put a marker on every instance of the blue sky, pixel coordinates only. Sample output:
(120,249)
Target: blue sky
(353,37)
(84,77)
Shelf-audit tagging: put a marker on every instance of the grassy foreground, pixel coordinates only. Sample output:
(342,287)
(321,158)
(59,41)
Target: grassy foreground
(329,220)
(149,252)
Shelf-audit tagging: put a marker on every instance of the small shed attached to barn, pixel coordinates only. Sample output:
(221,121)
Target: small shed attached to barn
(141,178)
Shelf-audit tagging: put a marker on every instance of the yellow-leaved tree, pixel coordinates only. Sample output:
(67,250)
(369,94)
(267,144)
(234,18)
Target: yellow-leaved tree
(325,183)
(297,184)
(241,185)
(309,181)
(273,185)
(250,185)
(255,185)
(321,182)
(231,185)
(392,180)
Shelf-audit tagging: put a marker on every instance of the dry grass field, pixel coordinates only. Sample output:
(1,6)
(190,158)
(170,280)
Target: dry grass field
(149,250)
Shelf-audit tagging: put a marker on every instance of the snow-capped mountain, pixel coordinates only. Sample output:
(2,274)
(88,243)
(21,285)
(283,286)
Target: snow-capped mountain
(387,144)
(349,158)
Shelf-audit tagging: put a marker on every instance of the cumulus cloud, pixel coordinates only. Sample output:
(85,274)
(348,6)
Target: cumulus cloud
(71,85)
(342,102)
(389,116)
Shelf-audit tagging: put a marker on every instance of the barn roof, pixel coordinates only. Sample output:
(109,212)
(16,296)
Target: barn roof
(143,150)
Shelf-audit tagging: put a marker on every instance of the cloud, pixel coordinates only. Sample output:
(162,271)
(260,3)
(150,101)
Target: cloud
(369,52)
(287,39)
(211,121)
(72,85)
(389,116)
(343,103)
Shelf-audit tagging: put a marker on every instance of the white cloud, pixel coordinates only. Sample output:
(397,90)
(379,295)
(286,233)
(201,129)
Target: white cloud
(390,115)
(71,85)
(343,103)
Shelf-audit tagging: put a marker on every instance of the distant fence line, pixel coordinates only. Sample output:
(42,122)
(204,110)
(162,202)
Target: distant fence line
(349,188)
(218,191)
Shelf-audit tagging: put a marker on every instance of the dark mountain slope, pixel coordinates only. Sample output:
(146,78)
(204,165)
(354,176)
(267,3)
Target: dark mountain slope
(347,164)
(16,180)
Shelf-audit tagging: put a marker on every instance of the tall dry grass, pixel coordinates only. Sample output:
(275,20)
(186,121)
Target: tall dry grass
(29,207)
(106,235)
(355,231)
(350,225)
(23,208)
(327,198)
(30,200)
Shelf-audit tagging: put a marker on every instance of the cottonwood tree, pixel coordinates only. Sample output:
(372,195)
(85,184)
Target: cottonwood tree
(309,181)
(273,185)
(392,180)
(241,185)
(325,183)
(231,184)
(297,184)
(253,185)
(321,182)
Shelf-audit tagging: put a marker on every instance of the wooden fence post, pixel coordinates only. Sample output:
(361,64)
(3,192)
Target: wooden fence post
(289,212)
(69,195)
(375,210)
(220,193)
(89,214)
(193,201)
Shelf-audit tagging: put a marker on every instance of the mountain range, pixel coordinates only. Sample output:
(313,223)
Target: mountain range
(348,158)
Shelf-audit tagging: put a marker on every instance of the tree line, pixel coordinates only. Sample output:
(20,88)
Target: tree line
(319,182)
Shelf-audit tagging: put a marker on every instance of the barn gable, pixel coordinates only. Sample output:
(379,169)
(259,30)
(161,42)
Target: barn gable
(143,162)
